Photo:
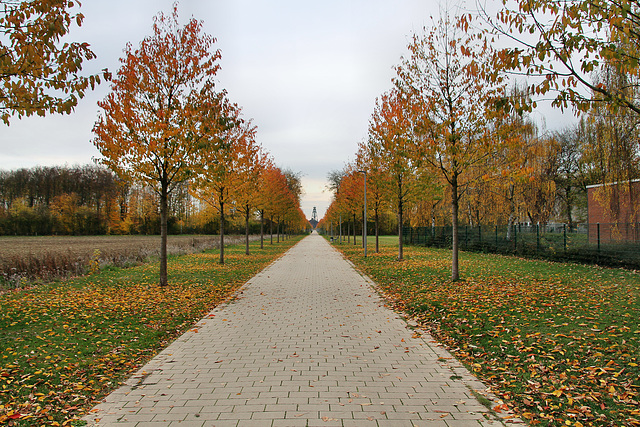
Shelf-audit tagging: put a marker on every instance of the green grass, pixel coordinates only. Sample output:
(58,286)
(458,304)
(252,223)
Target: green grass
(560,343)
(65,345)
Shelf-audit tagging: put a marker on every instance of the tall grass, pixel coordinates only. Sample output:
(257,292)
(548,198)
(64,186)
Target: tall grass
(28,260)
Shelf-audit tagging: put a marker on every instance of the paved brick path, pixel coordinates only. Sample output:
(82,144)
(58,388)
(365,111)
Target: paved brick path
(307,343)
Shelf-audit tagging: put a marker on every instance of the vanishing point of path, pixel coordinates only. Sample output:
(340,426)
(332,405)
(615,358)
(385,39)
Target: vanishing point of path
(307,342)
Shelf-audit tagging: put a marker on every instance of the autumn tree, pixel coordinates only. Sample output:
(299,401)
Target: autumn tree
(352,195)
(563,43)
(294,193)
(281,194)
(570,178)
(334,178)
(562,46)
(220,174)
(370,161)
(612,148)
(539,191)
(40,74)
(292,217)
(264,201)
(452,103)
(65,209)
(513,158)
(298,222)
(251,174)
(162,111)
(96,192)
(272,195)
(340,184)
(391,137)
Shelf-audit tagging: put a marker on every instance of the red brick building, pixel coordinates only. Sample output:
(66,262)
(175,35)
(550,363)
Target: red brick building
(616,207)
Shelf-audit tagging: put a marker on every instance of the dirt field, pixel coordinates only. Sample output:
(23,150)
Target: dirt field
(49,257)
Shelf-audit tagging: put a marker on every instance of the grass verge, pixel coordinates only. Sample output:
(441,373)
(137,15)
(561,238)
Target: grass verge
(560,343)
(65,345)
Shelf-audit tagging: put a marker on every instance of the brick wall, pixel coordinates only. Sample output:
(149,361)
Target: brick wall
(625,225)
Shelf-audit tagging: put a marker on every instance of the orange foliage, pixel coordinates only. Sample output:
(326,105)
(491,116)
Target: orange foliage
(162,111)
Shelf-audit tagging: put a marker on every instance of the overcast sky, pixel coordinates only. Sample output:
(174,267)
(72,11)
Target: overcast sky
(307,73)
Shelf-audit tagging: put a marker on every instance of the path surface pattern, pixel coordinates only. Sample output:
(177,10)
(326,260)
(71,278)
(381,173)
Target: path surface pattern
(306,342)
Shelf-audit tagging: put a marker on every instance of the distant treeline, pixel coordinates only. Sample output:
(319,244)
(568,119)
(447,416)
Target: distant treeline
(89,200)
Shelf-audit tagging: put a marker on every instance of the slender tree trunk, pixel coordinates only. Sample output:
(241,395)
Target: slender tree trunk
(510,222)
(246,229)
(221,233)
(512,211)
(271,228)
(164,213)
(455,272)
(278,230)
(354,229)
(262,229)
(569,197)
(98,217)
(400,221)
(377,231)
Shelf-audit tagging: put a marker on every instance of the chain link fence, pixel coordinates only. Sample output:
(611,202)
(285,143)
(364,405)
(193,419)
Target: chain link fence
(614,245)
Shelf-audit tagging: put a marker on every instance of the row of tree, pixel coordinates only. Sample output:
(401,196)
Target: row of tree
(452,142)
(60,200)
(165,123)
(92,200)
(164,128)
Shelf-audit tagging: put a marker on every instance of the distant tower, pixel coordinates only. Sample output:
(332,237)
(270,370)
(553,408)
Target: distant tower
(314,218)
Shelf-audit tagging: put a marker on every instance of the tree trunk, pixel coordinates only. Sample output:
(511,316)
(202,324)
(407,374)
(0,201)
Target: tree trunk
(271,228)
(400,246)
(246,229)
(221,233)
(569,197)
(164,212)
(510,222)
(98,214)
(377,231)
(400,219)
(262,229)
(354,228)
(455,272)
(512,211)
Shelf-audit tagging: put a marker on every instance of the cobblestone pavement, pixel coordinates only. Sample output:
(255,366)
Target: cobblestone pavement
(307,342)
